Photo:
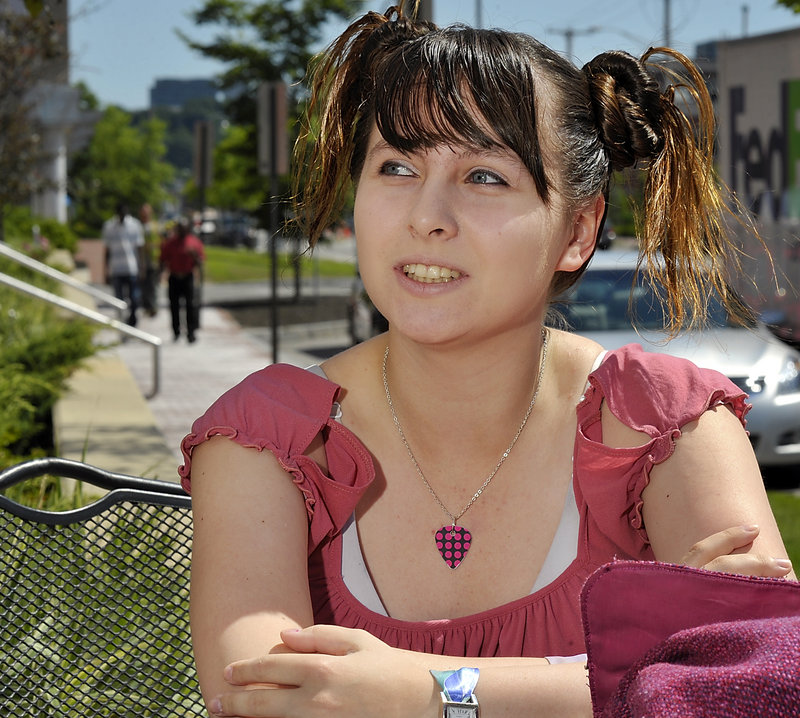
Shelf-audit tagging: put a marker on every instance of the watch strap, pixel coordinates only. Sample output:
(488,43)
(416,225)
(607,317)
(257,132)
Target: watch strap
(457,692)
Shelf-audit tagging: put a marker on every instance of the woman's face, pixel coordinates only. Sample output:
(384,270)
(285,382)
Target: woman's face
(455,243)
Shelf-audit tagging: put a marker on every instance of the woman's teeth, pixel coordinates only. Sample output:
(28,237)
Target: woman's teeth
(430,273)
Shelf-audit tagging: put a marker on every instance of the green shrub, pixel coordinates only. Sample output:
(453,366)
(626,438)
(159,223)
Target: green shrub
(18,226)
(59,234)
(39,349)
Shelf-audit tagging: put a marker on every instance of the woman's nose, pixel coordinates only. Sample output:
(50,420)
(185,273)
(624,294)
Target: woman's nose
(432,213)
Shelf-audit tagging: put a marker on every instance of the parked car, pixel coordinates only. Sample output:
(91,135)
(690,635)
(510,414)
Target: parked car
(759,363)
(363,318)
(237,230)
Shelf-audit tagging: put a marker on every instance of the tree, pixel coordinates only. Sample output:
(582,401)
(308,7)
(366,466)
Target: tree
(263,41)
(180,123)
(793,5)
(233,163)
(29,44)
(122,163)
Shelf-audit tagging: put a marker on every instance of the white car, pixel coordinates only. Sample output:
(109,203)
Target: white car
(763,366)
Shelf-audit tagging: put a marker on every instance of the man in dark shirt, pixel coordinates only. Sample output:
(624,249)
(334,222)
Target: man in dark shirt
(182,256)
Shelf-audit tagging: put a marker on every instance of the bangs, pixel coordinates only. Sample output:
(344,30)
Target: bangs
(460,86)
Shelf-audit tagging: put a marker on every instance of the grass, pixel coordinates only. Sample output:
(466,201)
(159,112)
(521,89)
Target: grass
(786,508)
(224,264)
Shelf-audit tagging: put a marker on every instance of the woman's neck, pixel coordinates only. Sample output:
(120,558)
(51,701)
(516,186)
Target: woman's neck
(440,393)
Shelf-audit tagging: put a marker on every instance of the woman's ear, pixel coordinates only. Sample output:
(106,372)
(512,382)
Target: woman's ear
(585,225)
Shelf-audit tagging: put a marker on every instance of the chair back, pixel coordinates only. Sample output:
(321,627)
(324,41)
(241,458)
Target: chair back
(94,601)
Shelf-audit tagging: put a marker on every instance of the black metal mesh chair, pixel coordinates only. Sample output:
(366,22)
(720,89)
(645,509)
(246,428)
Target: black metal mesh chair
(94,601)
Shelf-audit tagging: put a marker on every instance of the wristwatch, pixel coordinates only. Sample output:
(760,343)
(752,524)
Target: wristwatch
(457,694)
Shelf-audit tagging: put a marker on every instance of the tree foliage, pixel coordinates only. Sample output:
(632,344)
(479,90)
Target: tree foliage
(266,41)
(180,123)
(230,189)
(793,5)
(122,163)
(28,47)
(271,40)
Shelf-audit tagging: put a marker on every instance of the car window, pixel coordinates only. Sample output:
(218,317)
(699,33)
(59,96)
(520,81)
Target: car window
(607,300)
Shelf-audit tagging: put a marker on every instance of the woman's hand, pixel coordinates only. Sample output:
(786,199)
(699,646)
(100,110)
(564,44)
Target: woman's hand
(724,551)
(329,671)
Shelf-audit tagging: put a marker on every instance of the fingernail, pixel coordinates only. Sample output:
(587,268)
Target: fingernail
(227,674)
(783,563)
(215,706)
(750,528)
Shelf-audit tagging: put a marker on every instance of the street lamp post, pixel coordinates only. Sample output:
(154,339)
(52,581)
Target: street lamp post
(425,10)
(569,34)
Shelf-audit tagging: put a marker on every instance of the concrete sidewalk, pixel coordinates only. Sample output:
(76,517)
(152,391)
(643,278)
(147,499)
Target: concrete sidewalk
(106,420)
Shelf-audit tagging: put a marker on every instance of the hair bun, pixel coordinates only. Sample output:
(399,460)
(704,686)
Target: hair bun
(627,106)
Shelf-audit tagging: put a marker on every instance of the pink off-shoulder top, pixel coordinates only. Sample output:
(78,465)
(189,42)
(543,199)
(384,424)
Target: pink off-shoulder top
(283,408)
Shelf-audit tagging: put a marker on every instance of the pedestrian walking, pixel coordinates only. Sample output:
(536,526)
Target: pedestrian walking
(123,237)
(182,257)
(150,270)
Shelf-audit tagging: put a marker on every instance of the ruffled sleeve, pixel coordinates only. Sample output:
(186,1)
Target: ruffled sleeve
(652,393)
(282,408)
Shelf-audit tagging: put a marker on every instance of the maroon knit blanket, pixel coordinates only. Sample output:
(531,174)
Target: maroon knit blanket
(737,669)
(665,640)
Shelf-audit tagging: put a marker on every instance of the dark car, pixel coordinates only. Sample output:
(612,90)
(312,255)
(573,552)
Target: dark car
(363,318)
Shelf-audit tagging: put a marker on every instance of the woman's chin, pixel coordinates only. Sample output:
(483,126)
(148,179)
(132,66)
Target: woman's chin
(426,332)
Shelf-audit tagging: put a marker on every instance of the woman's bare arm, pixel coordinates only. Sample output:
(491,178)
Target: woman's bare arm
(711,483)
(249,560)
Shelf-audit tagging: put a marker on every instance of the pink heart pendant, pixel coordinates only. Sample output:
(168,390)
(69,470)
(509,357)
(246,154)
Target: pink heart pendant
(453,543)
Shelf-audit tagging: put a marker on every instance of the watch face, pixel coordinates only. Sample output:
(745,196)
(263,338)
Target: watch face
(461,712)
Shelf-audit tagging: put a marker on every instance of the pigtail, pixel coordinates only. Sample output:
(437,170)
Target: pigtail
(327,153)
(684,243)
(323,148)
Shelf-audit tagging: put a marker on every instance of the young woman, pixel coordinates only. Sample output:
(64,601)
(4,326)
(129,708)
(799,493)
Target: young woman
(435,498)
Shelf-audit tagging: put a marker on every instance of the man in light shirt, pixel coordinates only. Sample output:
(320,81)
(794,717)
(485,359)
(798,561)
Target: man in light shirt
(123,237)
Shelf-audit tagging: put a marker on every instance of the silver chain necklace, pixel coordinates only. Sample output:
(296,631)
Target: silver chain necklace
(454,541)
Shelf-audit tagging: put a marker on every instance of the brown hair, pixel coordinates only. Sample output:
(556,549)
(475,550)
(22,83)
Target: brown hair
(424,86)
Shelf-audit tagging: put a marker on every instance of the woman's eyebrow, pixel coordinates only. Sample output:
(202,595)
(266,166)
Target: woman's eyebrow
(461,151)
(481,152)
(380,146)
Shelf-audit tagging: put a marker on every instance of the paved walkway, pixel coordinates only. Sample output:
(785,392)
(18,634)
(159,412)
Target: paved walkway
(194,375)
(110,418)
(107,419)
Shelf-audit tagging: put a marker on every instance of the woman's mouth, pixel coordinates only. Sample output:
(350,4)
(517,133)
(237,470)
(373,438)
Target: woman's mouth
(430,273)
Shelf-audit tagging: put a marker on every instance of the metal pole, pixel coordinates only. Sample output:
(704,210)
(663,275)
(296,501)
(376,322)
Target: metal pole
(478,13)
(273,216)
(569,35)
(667,24)
(425,10)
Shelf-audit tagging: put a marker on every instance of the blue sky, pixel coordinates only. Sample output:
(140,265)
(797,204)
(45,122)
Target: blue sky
(120,47)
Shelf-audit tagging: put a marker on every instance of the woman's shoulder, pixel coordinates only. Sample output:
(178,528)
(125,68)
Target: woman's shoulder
(282,385)
(281,404)
(347,368)
(647,389)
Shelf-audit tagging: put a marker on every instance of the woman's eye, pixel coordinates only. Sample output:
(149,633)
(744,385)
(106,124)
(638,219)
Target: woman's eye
(396,169)
(486,177)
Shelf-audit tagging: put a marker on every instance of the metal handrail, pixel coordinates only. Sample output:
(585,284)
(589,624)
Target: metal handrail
(119,304)
(94,316)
